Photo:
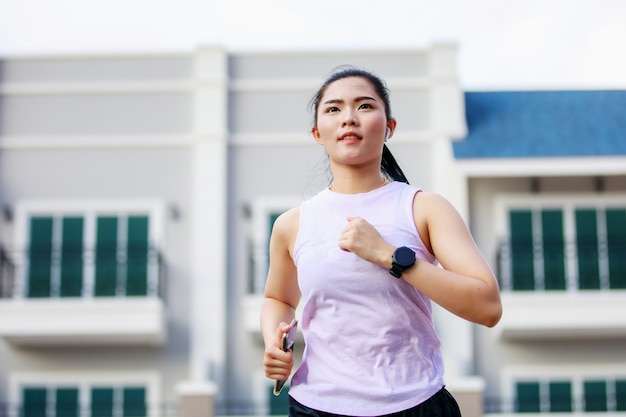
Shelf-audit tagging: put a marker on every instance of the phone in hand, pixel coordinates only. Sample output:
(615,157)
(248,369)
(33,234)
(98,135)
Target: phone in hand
(289,339)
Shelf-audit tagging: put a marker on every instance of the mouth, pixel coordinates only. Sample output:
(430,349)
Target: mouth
(350,136)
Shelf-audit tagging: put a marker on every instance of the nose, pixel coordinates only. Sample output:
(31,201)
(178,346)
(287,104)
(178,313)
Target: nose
(349,119)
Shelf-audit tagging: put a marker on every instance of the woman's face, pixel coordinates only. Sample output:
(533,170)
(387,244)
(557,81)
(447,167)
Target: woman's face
(351,122)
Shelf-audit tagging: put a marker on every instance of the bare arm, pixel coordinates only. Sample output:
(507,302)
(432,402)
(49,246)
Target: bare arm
(281,296)
(466,285)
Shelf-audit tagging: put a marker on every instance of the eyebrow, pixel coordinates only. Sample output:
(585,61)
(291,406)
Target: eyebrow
(357,99)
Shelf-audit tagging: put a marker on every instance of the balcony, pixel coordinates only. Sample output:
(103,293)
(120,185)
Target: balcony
(82,298)
(562,290)
(258,263)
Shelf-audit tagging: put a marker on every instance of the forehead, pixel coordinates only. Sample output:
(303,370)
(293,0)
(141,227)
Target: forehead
(349,86)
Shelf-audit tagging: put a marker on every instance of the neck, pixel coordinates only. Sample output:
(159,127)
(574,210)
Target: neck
(357,185)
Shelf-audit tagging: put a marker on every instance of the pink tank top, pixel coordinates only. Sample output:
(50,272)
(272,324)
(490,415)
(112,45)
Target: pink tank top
(371,347)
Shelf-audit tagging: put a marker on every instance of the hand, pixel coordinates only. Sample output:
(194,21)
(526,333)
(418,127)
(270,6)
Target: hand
(362,239)
(276,362)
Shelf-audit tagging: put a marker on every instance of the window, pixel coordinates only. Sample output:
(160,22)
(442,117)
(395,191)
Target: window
(265,211)
(66,402)
(616,242)
(553,249)
(587,249)
(128,238)
(528,397)
(133,402)
(522,249)
(620,394)
(559,246)
(90,254)
(556,396)
(537,231)
(101,402)
(535,397)
(34,402)
(38,401)
(560,393)
(595,396)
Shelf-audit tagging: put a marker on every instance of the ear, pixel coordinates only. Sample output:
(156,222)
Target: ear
(391,127)
(316,135)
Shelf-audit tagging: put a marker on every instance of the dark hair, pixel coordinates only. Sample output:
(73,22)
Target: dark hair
(388,165)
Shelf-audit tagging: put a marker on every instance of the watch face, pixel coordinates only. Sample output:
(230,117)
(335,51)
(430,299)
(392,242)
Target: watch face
(404,256)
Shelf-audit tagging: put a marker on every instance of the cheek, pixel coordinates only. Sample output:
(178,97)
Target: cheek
(325,129)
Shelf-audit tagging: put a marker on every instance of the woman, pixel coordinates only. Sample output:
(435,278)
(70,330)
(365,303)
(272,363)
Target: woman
(367,255)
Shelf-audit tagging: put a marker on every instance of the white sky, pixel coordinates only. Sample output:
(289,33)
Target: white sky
(503,44)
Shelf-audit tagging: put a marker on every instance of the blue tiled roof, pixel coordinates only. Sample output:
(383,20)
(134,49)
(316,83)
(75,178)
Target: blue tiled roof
(527,124)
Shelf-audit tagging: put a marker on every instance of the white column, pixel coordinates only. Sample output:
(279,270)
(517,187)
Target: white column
(208,227)
(447,121)
(447,100)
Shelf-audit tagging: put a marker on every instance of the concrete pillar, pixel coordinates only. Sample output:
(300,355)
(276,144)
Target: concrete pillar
(209,212)
(469,393)
(196,400)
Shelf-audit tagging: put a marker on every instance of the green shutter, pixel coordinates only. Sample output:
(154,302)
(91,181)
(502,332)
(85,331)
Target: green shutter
(616,240)
(528,398)
(66,404)
(101,402)
(106,256)
(137,256)
(72,257)
(279,404)
(134,402)
(620,395)
(553,249)
(40,256)
(587,249)
(523,272)
(560,396)
(595,396)
(34,402)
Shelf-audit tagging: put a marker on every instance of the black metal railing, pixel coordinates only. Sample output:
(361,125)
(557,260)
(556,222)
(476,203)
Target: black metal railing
(564,404)
(233,407)
(165,409)
(538,265)
(82,272)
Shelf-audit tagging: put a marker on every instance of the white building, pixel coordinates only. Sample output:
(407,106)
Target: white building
(138,192)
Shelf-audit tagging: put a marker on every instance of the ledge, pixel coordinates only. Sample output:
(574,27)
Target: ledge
(563,315)
(83,322)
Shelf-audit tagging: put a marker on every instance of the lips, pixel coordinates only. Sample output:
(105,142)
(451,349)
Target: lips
(350,136)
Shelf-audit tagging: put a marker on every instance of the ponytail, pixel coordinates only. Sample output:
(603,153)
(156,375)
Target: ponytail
(389,166)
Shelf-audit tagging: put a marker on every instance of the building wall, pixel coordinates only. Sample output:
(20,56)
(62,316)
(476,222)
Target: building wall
(215,143)
(101,131)
(573,349)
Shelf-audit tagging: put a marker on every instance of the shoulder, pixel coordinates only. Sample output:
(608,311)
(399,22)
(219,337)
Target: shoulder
(286,225)
(288,219)
(429,206)
(428,202)
(430,210)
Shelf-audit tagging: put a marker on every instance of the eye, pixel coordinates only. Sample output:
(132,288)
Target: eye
(365,106)
(332,109)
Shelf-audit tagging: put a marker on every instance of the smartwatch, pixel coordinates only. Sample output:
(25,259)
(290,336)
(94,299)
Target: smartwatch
(402,259)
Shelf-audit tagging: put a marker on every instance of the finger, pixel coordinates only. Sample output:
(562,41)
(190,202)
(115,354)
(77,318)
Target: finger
(280,330)
(278,364)
(343,247)
(344,243)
